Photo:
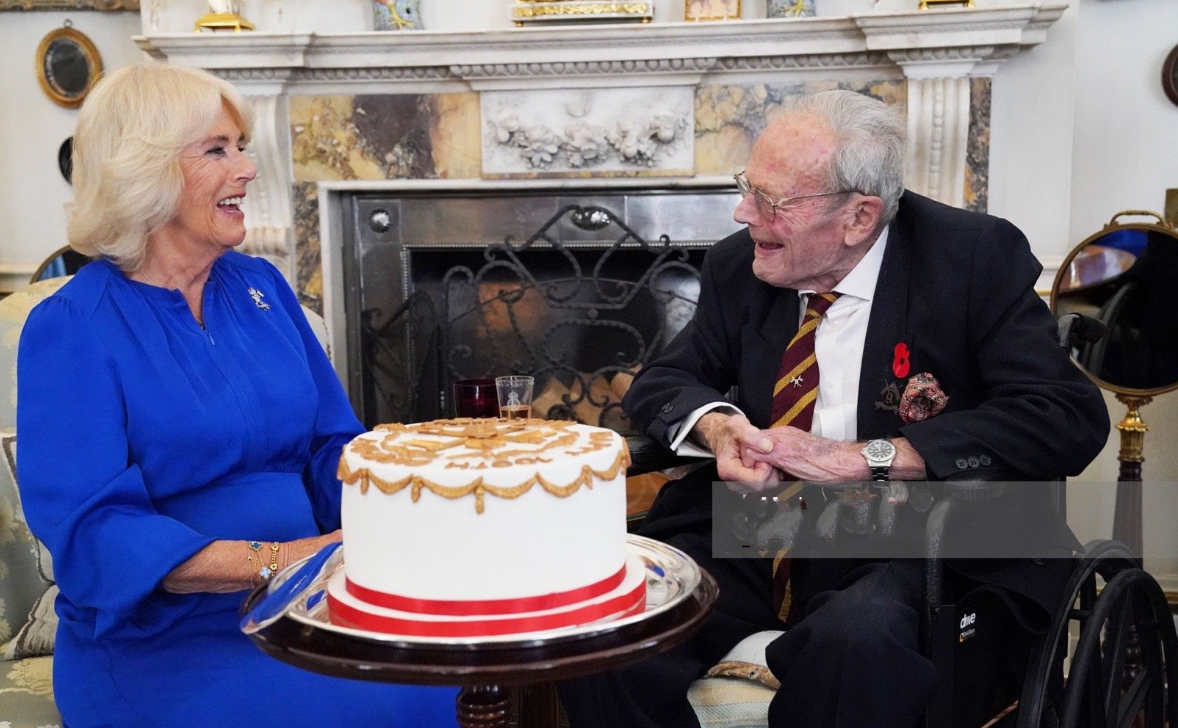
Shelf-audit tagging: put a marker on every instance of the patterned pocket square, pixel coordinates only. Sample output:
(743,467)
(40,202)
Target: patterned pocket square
(922,398)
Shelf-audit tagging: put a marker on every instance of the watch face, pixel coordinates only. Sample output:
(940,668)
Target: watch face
(879,450)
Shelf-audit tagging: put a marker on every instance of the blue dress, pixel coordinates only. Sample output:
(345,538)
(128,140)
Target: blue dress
(142,439)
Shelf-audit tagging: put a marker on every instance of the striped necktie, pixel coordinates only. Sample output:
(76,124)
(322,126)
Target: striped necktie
(793,405)
(797,379)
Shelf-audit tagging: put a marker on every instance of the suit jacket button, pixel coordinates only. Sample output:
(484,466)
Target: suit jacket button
(666,409)
(974,462)
(984,460)
(961,464)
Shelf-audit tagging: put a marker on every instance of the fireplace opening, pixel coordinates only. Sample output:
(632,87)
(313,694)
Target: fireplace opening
(580,297)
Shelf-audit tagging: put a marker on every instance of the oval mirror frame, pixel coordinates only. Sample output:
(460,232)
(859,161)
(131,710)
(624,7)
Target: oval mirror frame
(51,52)
(1113,226)
(1170,76)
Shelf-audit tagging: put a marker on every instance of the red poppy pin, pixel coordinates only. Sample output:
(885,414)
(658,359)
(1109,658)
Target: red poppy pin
(922,398)
(900,363)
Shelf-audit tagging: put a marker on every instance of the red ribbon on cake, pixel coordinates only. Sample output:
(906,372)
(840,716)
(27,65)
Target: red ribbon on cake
(476,607)
(623,605)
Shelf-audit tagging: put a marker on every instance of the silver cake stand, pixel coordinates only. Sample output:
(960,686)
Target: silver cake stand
(679,598)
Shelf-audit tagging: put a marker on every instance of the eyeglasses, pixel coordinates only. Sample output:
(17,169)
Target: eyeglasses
(766,207)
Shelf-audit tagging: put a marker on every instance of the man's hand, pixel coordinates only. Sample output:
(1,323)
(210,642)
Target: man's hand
(808,457)
(731,438)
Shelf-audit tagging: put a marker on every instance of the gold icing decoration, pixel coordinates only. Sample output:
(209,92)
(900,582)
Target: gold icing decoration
(487,438)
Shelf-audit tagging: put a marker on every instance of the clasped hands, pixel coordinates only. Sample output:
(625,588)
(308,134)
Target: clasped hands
(754,459)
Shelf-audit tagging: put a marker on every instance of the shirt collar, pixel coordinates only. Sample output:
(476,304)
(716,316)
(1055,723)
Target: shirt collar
(860,282)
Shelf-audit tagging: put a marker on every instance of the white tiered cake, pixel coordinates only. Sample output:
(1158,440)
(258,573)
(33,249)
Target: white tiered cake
(484,527)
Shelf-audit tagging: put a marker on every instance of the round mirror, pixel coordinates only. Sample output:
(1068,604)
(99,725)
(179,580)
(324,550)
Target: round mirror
(1125,276)
(65,159)
(68,64)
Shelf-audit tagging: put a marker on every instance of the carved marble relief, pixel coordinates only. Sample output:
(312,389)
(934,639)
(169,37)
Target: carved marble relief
(626,131)
(728,119)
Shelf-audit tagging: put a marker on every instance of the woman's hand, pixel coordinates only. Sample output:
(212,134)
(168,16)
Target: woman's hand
(292,551)
(223,567)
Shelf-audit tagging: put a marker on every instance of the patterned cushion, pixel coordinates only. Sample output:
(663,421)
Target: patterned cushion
(14,309)
(736,692)
(319,327)
(26,694)
(728,702)
(28,623)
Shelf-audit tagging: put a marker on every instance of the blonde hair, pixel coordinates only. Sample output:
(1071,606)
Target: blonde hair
(127,176)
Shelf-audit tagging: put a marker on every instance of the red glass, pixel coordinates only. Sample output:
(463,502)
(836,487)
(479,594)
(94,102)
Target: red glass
(476,398)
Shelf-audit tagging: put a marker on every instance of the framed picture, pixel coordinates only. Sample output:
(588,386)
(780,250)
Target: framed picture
(1170,76)
(112,5)
(711,10)
(68,65)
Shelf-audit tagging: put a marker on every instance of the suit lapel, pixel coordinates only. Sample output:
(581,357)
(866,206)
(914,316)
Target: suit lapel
(779,323)
(879,388)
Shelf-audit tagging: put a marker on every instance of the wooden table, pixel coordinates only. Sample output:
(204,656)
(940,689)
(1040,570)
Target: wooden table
(483,670)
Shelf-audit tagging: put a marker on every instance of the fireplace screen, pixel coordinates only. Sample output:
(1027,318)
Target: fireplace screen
(581,301)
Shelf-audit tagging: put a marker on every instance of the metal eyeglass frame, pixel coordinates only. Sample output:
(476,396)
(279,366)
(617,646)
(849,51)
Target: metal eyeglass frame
(745,189)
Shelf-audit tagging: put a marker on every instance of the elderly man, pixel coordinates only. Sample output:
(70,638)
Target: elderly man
(844,292)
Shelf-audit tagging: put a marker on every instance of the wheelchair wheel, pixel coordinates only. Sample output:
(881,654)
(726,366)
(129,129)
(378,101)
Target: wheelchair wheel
(1129,614)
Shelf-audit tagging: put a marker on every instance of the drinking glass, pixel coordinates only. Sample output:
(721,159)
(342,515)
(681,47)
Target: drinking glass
(475,398)
(515,397)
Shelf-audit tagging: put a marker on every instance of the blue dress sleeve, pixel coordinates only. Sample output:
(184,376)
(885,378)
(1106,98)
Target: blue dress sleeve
(335,424)
(82,494)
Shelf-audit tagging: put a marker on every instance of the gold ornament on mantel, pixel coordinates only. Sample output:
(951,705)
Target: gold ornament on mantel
(574,11)
(223,17)
(924,4)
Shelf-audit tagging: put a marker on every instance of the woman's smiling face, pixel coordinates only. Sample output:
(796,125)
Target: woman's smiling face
(216,171)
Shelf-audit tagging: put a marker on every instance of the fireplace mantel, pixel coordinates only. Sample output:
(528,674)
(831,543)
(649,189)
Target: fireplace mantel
(966,41)
(937,63)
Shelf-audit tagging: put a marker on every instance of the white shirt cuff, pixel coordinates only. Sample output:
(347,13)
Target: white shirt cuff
(679,432)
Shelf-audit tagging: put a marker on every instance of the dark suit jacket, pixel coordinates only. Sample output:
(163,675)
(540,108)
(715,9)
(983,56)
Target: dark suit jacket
(958,288)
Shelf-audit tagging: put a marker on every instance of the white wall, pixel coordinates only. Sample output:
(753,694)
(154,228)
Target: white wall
(32,128)
(1125,156)
(1033,102)
(1126,130)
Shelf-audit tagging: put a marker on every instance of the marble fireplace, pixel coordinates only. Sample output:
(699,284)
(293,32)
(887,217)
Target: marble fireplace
(557,111)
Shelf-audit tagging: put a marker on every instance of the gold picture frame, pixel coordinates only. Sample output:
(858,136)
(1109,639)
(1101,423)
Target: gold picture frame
(101,5)
(68,66)
(705,10)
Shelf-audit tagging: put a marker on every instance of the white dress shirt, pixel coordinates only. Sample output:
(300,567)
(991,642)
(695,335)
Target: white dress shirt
(838,349)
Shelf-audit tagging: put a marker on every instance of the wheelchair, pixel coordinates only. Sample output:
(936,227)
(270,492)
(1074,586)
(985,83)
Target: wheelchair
(1108,659)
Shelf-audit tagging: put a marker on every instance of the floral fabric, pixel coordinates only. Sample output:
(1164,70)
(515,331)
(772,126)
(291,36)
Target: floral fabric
(26,694)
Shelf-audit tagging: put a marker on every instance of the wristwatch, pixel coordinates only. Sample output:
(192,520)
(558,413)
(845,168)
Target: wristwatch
(879,454)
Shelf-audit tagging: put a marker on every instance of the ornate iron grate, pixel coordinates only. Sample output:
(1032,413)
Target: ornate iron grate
(580,316)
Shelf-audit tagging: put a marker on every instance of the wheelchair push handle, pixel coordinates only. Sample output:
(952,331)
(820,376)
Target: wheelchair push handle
(1076,328)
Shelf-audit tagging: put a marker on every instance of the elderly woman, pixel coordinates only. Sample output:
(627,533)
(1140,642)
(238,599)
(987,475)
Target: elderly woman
(180,429)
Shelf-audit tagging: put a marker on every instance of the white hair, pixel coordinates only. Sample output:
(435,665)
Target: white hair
(870,140)
(127,176)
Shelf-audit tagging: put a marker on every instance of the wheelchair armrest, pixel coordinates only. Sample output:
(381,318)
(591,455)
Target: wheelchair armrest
(648,455)
(973,487)
(960,490)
